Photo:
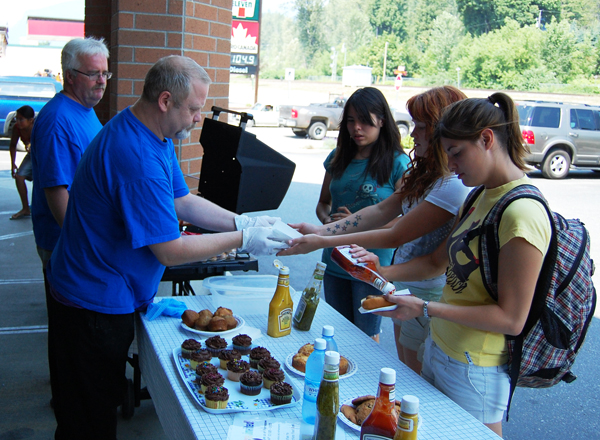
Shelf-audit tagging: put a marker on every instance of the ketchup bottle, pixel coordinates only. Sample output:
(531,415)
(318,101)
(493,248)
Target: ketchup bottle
(381,423)
(366,272)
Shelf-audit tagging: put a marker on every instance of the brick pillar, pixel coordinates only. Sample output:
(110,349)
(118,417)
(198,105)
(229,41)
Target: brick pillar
(142,31)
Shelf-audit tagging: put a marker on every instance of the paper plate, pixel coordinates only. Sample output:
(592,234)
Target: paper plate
(208,334)
(356,427)
(388,308)
(352,367)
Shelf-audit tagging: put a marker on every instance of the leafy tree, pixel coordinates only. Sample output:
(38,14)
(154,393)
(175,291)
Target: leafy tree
(280,46)
(388,17)
(439,59)
(373,55)
(309,19)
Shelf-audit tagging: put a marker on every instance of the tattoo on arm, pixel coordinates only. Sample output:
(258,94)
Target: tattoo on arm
(335,227)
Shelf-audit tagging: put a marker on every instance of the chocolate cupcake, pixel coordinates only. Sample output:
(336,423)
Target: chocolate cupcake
(228,355)
(235,368)
(281,393)
(250,383)
(268,362)
(203,368)
(215,344)
(216,397)
(212,379)
(271,376)
(242,343)
(188,347)
(199,357)
(256,354)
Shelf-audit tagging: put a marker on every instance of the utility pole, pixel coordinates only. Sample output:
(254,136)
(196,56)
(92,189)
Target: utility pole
(333,64)
(384,60)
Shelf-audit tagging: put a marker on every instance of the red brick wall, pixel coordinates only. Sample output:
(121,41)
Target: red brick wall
(140,32)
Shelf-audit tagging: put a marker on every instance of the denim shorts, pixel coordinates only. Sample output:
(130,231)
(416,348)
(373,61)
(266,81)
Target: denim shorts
(481,391)
(26,169)
(344,295)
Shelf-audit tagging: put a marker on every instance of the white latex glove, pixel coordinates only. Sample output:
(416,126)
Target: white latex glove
(264,221)
(258,242)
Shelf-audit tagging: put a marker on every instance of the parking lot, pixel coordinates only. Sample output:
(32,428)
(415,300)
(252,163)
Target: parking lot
(565,411)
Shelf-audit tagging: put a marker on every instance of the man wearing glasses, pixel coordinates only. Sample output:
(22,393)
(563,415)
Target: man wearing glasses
(62,131)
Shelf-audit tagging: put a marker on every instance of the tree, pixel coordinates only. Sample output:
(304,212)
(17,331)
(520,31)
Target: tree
(439,60)
(373,55)
(388,17)
(309,19)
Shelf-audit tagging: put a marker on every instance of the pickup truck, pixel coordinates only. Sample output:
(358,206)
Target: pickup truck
(315,120)
(17,91)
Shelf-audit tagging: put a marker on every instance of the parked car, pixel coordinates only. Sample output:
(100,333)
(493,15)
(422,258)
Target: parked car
(263,115)
(315,120)
(560,136)
(17,91)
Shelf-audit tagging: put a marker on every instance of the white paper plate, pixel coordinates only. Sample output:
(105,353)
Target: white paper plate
(356,427)
(388,308)
(352,367)
(208,334)
(238,402)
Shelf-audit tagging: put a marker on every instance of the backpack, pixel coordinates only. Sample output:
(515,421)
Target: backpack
(564,299)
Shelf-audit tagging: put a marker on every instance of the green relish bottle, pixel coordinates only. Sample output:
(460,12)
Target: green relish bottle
(307,305)
(328,399)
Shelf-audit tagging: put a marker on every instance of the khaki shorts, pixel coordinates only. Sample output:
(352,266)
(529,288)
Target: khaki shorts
(413,334)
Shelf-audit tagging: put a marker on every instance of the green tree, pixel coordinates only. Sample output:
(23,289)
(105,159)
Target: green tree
(439,60)
(309,19)
(388,17)
(279,45)
(373,55)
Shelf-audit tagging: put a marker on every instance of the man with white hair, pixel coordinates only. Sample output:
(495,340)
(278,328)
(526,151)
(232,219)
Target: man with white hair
(62,131)
(120,231)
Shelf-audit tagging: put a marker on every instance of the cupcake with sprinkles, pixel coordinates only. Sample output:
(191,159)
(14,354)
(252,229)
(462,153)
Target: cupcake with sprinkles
(236,368)
(211,380)
(203,368)
(199,357)
(228,355)
(216,397)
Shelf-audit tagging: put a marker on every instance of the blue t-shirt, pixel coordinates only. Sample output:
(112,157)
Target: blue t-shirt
(121,201)
(356,190)
(61,133)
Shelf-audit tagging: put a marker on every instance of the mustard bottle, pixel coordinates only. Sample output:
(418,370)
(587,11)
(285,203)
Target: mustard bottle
(408,421)
(281,306)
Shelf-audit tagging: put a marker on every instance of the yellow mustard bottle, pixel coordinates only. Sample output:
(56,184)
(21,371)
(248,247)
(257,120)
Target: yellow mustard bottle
(408,422)
(281,306)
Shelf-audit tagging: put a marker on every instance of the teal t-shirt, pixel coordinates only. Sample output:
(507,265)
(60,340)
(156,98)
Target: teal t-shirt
(356,190)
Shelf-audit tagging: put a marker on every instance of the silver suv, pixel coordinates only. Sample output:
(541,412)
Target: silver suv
(560,136)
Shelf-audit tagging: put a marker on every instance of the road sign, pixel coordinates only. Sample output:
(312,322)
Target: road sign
(398,82)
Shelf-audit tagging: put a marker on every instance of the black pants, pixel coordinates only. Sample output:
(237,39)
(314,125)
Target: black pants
(89,350)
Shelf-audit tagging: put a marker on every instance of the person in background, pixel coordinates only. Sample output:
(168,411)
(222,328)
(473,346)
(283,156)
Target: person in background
(120,231)
(63,129)
(429,200)
(22,131)
(466,354)
(365,168)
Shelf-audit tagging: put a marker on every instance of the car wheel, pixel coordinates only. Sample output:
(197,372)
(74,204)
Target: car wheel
(299,133)
(317,131)
(403,129)
(556,165)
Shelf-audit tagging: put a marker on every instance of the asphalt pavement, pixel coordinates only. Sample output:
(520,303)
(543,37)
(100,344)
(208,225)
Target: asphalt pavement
(566,411)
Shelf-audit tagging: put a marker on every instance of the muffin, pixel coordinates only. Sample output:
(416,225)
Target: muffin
(223,311)
(281,393)
(203,368)
(215,344)
(189,317)
(211,380)
(256,354)
(199,357)
(271,376)
(242,343)
(217,324)
(268,362)
(188,347)
(216,397)
(228,355)
(235,368)
(250,383)
(204,317)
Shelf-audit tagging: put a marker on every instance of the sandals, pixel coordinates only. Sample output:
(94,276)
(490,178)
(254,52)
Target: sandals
(19,215)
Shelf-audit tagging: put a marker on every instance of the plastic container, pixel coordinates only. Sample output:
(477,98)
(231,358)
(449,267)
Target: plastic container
(247,294)
(328,332)
(312,381)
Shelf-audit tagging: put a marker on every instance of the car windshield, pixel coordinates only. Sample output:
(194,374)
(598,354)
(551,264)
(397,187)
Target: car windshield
(42,90)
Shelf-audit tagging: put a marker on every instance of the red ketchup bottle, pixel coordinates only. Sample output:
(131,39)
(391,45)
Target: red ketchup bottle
(381,423)
(366,272)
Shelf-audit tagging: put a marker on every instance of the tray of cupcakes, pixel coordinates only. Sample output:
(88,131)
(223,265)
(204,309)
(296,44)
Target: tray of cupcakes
(224,379)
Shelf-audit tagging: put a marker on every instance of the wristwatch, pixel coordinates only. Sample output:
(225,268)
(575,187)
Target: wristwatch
(425,304)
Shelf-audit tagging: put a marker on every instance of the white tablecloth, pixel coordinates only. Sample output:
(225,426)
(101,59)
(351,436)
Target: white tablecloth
(182,418)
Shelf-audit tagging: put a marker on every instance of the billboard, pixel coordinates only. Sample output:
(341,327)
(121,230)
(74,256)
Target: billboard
(246,9)
(244,36)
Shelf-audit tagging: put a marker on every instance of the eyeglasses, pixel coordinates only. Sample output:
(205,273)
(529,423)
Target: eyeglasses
(95,76)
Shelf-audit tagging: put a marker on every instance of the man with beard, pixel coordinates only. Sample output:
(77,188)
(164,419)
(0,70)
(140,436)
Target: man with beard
(120,231)
(62,131)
